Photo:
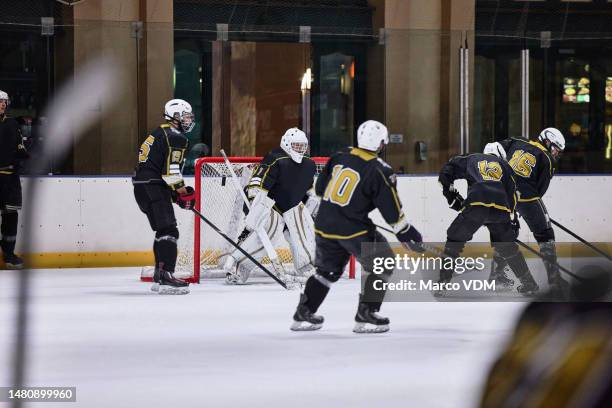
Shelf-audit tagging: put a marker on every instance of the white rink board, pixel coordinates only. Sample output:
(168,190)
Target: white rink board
(99,214)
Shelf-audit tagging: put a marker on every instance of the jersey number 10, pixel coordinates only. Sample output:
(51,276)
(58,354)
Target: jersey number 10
(341,185)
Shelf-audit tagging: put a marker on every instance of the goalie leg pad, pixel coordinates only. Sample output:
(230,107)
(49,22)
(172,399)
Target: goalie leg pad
(300,235)
(254,247)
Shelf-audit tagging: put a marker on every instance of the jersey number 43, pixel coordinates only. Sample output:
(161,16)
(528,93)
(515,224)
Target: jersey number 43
(341,185)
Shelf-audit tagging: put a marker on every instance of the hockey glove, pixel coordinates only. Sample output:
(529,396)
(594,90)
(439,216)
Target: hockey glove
(453,197)
(187,200)
(411,237)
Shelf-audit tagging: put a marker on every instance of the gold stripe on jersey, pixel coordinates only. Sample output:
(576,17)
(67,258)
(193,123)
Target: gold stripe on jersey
(263,178)
(363,154)
(334,236)
(526,200)
(545,150)
(499,207)
(394,193)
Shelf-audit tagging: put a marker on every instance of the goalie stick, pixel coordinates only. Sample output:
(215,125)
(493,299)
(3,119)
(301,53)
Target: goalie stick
(235,245)
(261,233)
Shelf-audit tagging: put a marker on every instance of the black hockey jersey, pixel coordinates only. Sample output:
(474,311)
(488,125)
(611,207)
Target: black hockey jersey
(353,183)
(12,149)
(160,158)
(490,180)
(285,181)
(532,165)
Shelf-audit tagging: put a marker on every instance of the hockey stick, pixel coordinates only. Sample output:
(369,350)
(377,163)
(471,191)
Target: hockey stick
(585,242)
(434,250)
(235,245)
(261,233)
(533,251)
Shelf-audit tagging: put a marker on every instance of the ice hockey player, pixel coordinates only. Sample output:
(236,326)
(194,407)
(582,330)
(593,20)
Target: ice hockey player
(12,152)
(490,201)
(157,183)
(533,166)
(282,201)
(354,182)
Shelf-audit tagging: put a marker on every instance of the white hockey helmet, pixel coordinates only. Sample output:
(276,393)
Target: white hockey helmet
(295,143)
(180,111)
(371,135)
(553,140)
(4,97)
(495,149)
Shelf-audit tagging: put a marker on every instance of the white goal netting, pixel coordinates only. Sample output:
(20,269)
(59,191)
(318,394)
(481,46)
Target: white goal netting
(202,251)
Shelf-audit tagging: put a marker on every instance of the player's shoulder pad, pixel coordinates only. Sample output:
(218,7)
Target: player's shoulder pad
(385,169)
(159,131)
(9,120)
(307,160)
(273,155)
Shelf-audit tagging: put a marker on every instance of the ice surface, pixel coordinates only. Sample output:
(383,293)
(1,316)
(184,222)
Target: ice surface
(102,331)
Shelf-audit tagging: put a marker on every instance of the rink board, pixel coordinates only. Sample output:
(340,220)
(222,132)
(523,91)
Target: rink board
(94,221)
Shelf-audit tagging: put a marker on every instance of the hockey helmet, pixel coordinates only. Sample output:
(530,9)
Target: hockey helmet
(295,143)
(180,112)
(553,140)
(372,135)
(495,149)
(4,97)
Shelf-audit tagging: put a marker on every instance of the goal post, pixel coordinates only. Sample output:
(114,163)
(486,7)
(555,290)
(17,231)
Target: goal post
(202,251)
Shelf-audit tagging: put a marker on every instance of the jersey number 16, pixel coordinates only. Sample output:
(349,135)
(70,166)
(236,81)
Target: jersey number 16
(341,185)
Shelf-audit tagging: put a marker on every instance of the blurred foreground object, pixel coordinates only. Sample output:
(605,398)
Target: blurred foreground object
(560,354)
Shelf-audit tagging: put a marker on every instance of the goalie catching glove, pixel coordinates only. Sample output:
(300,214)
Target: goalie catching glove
(186,200)
(260,211)
(408,235)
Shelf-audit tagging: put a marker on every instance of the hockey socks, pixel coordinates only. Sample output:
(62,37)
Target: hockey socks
(317,288)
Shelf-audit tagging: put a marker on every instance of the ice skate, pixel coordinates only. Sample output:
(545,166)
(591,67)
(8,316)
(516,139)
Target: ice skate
(528,288)
(446,275)
(503,283)
(304,319)
(12,261)
(559,290)
(169,285)
(368,321)
(155,285)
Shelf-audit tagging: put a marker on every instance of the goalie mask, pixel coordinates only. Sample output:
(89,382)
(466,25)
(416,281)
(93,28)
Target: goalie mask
(180,112)
(295,143)
(372,136)
(495,149)
(553,140)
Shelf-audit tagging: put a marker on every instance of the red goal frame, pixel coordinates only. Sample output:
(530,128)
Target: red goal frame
(197,238)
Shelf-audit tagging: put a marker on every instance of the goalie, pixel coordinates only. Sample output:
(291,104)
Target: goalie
(282,201)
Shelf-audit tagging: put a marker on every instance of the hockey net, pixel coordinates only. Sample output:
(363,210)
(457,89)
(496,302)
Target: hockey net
(202,251)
